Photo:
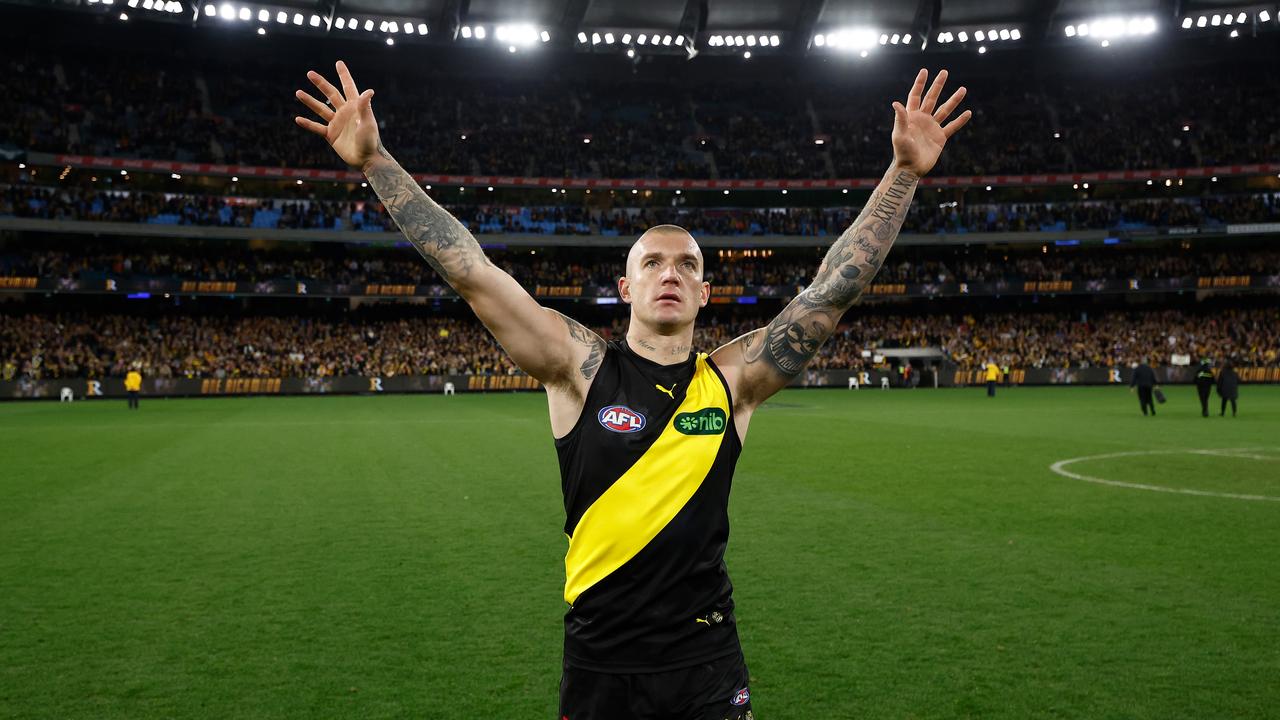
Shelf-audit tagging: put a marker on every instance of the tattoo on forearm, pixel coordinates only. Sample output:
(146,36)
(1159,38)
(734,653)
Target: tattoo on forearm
(582,336)
(794,337)
(446,243)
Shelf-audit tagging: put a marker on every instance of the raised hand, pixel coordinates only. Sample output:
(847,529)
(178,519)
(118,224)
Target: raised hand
(348,125)
(918,132)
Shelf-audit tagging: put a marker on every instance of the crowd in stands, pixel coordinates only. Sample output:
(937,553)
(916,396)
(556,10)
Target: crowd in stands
(85,345)
(598,269)
(77,203)
(238,110)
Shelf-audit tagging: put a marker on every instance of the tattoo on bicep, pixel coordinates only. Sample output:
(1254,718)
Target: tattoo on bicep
(795,336)
(582,336)
(446,243)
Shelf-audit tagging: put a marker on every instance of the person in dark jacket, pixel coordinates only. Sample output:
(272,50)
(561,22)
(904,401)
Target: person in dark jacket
(1204,384)
(1228,388)
(1144,381)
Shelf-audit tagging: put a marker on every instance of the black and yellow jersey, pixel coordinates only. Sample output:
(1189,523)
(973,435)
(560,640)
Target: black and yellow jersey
(646,474)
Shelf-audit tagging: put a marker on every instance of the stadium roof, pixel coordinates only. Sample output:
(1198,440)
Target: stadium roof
(715,26)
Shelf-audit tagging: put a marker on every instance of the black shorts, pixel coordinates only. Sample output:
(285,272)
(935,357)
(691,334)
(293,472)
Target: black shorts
(715,690)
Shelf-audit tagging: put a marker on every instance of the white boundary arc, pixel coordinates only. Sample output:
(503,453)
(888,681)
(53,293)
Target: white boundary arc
(1251,453)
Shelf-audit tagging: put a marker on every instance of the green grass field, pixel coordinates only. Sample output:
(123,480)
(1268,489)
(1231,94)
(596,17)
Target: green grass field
(904,554)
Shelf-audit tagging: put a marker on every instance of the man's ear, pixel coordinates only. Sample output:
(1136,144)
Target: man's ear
(624,289)
(705,293)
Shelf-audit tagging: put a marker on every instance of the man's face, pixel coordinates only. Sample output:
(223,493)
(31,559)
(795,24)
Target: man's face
(664,283)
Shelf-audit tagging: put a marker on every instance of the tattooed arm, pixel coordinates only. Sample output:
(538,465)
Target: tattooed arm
(764,361)
(556,350)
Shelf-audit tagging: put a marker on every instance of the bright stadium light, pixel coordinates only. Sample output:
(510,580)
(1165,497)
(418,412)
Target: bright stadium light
(1264,16)
(262,31)
(244,14)
(466,32)
(1234,34)
(751,40)
(226,12)
(1202,21)
(853,38)
(666,40)
(315,21)
(1015,34)
(1216,20)
(408,28)
(124,17)
(582,37)
(1004,33)
(1071,31)
(982,49)
(626,38)
(1241,17)
(297,18)
(1186,23)
(544,36)
(642,38)
(595,38)
(818,40)
(963,36)
(368,26)
(422,28)
(631,52)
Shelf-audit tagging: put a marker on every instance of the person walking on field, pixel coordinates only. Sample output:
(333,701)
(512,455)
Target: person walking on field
(1228,388)
(1144,381)
(1204,385)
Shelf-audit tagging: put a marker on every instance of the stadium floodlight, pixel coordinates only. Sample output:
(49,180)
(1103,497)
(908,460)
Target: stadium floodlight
(262,31)
(1015,34)
(1216,20)
(980,36)
(680,40)
(175,176)
(480,32)
(819,40)
(631,52)
(642,38)
(982,49)
(264,15)
(763,40)
(884,38)
(390,41)
(1227,20)
(595,38)
(894,38)
(1202,21)
(133,3)
(244,13)
(626,38)
(341,23)
(739,40)
(226,12)
(315,22)
(297,18)
(1241,17)
(1234,34)
(124,17)
(146,4)
(544,36)
(422,28)
(751,40)
(1071,31)
(1004,33)
(1264,16)
(124,172)
(582,37)
(963,36)
(906,39)
(368,26)
(1106,43)
(408,28)
(608,38)
(465,32)
(1187,23)
(854,38)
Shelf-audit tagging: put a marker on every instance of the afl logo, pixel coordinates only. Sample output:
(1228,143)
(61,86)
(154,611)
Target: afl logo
(620,418)
(740,698)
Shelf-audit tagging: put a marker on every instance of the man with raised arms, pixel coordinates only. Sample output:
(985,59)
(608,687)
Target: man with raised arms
(648,431)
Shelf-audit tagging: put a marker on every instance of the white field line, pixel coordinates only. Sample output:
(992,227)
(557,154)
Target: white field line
(1060,468)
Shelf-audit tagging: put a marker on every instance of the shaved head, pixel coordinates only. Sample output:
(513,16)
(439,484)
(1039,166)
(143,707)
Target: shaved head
(666,233)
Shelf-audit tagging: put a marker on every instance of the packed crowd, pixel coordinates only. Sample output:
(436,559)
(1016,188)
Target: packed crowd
(597,270)
(75,203)
(83,345)
(237,110)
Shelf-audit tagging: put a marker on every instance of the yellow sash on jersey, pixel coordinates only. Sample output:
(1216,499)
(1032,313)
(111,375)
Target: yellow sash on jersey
(631,513)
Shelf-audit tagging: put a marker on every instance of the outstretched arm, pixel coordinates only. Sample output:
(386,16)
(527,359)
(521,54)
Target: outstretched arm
(553,348)
(763,361)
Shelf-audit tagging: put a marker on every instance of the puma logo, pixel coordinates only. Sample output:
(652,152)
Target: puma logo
(670,393)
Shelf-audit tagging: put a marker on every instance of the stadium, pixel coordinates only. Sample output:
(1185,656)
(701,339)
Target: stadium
(308,308)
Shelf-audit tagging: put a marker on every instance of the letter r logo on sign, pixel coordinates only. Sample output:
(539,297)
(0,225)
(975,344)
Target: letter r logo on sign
(375,384)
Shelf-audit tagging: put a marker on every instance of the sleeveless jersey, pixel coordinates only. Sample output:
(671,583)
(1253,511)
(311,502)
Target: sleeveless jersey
(646,473)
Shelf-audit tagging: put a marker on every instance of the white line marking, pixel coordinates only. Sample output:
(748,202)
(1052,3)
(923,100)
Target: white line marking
(1059,466)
